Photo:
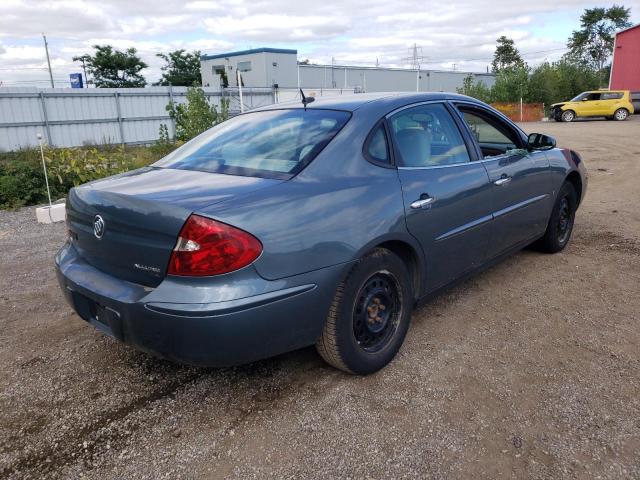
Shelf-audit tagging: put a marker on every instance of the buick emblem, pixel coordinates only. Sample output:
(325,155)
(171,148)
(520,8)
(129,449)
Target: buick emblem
(98,226)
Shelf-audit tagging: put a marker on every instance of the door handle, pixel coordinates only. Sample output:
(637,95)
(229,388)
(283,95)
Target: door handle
(503,181)
(424,201)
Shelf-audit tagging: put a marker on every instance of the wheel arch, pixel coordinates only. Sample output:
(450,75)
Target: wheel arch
(574,179)
(411,258)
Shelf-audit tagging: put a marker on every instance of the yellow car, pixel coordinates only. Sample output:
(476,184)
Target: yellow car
(611,104)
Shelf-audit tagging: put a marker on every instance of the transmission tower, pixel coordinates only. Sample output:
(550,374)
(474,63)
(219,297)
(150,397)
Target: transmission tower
(415,58)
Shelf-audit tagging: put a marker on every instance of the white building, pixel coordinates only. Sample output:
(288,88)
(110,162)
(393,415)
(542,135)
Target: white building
(269,67)
(260,67)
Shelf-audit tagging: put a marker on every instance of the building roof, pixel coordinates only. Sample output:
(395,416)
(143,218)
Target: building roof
(393,69)
(628,28)
(248,52)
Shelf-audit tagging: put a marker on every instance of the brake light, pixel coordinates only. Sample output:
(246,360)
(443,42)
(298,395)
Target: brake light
(206,247)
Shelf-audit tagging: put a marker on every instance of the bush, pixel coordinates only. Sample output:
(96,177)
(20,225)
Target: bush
(22,183)
(196,115)
(22,179)
(72,167)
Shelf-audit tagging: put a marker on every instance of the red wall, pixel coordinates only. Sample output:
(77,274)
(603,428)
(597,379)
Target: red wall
(625,73)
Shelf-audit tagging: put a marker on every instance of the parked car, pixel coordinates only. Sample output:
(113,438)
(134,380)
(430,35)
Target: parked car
(635,100)
(611,104)
(323,223)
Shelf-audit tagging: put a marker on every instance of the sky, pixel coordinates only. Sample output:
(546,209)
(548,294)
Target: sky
(456,34)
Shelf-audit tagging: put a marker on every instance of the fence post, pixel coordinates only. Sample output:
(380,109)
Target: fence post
(46,119)
(117,97)
(520,108)
(171,119)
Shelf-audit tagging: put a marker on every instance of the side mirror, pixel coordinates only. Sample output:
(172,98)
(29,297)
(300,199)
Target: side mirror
(585,99)
(540,141)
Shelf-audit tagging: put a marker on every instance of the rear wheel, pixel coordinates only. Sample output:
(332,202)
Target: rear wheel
(621,114)
(568,116)
(560,225)
(369,316)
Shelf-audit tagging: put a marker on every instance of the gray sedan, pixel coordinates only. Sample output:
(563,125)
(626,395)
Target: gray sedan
(318,223)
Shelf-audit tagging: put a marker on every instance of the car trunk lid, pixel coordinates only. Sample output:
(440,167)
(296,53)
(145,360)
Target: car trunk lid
(141,214)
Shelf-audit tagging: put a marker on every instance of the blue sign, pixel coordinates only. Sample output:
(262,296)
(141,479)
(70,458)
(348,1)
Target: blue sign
(76,80)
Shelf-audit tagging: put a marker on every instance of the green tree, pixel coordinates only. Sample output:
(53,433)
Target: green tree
(506,55)
(562,80)
(511,84)
(196,115)
(475,89)
(181,68)
(593,43)
(112,68)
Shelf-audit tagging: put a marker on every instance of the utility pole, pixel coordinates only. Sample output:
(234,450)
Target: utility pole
(46,49)
(84,70)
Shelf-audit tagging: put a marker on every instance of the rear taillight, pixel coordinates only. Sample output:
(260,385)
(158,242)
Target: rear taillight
(206,247)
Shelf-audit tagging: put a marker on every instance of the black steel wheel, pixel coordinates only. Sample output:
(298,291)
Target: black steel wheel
(377,311)
(560,225)
(370,314)
(565,220)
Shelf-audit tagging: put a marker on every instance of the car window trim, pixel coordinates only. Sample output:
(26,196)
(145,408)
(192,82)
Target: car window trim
(396,153)
(365,146)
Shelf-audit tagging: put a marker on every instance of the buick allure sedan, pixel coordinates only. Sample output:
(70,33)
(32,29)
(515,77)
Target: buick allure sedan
(304,224)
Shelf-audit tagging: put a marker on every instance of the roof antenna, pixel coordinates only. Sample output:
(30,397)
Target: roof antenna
(306,100)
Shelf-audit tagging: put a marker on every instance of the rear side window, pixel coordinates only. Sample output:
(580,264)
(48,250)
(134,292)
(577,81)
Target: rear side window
(377,148)
(269,143)
(611,96)
(428,136)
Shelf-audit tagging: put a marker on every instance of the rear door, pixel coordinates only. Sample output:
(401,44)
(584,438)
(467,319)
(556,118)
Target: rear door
(610,102)
(519,179)
(447,195)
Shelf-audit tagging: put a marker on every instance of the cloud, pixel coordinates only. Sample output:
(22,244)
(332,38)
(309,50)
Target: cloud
(461,32)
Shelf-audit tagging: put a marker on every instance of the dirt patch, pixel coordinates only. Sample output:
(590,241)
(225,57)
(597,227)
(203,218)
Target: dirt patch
(529,370)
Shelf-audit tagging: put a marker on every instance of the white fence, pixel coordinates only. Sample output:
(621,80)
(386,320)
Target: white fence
(73,117)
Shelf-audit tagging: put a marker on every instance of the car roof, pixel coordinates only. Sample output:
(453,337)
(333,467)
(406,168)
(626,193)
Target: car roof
(351,102)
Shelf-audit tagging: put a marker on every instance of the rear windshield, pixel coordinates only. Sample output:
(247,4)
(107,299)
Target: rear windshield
(272,143)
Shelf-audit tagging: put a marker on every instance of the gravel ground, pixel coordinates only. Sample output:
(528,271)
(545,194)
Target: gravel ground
(529,370)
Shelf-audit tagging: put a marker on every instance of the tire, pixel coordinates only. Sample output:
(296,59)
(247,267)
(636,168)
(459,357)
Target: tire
(621,114)
(568,116)
(560,225)
(369,316)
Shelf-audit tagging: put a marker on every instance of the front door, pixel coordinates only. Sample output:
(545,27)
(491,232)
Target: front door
(520,180)
(447,196)
(592,106)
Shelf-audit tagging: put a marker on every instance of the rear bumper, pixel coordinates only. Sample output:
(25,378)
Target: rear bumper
(229,320)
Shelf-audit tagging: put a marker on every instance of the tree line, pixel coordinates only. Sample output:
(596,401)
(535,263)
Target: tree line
(110,68)
(584,67)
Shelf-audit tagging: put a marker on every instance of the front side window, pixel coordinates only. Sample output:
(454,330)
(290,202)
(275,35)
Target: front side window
(268,143)
(428,136)
(587,96)
(492,135)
